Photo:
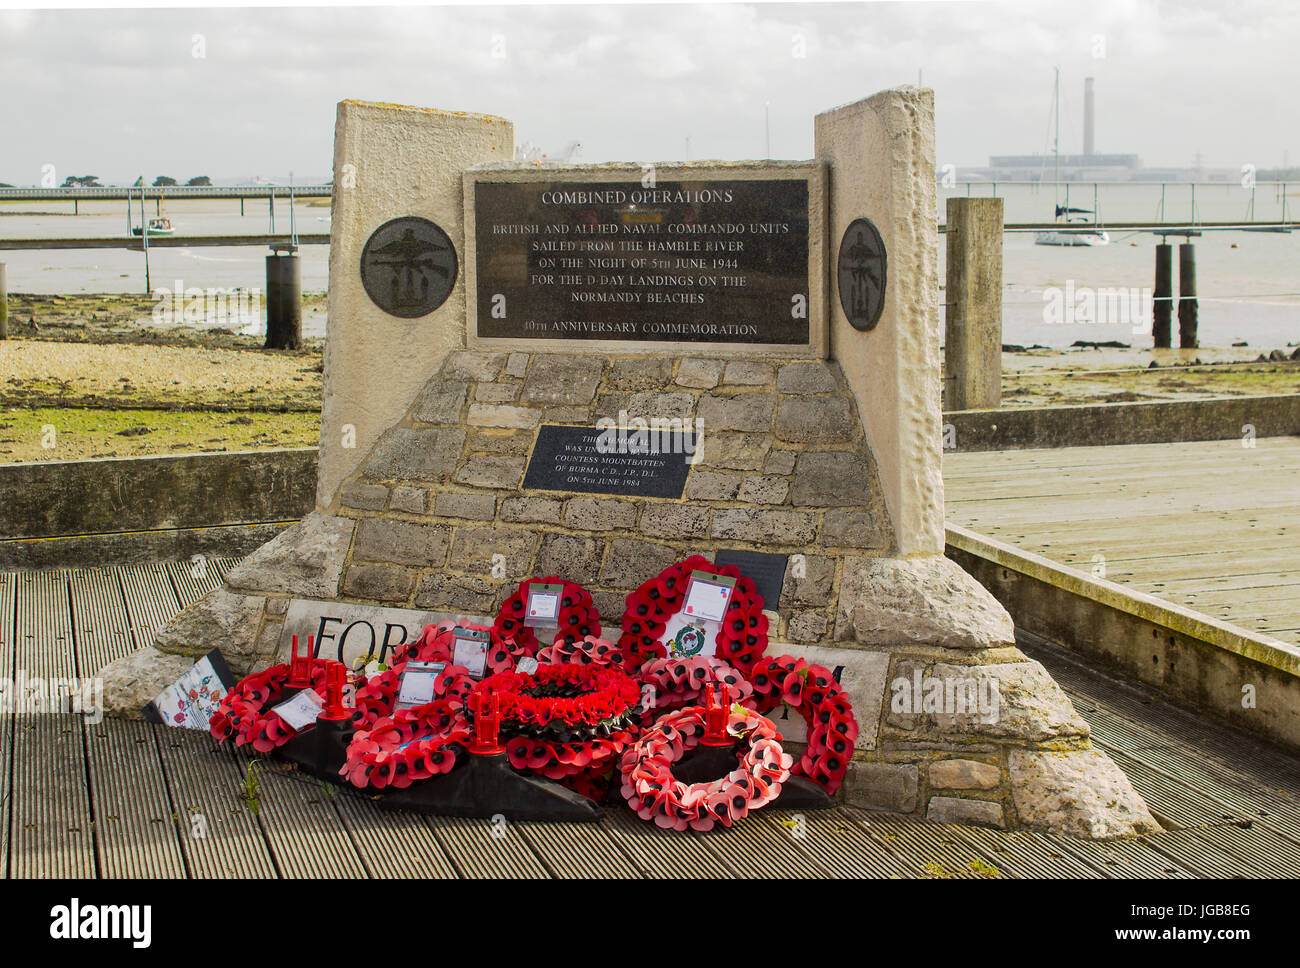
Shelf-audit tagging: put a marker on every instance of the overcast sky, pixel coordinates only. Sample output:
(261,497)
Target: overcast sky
(118,93)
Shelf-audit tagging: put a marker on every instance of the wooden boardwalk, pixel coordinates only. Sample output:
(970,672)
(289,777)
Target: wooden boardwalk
(127,799)
(1211,525)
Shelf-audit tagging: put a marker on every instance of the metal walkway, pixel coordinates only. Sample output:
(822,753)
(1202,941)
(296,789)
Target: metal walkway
(126,799)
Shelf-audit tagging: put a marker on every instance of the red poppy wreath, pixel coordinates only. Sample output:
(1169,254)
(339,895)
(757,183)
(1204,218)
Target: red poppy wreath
(246,714)
(588,651)
(672,683)
(563,720)
(741,639)
(578,617)
(413,744)
(813,692)
(376,696)
(651,790)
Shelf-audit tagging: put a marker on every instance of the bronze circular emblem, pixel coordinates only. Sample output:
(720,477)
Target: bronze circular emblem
(408,266)
(862,274)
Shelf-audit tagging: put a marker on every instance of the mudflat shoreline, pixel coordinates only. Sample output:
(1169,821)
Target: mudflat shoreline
(112,383)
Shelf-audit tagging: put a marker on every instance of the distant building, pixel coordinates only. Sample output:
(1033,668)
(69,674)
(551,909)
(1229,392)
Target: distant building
(1073,168)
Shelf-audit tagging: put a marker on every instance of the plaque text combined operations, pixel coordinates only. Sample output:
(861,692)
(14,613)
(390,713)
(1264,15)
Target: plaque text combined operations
(690,261)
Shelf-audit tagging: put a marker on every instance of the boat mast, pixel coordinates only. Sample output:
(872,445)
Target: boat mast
(1056,143)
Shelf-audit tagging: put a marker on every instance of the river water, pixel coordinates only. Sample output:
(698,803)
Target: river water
(1248,282)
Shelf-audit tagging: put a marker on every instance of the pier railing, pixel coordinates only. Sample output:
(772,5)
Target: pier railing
(1160,206)
(175,192)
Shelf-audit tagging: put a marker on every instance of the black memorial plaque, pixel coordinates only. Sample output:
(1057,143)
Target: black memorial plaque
(570,459)
(862,274)
(409,266)
(708,261)
(767,571)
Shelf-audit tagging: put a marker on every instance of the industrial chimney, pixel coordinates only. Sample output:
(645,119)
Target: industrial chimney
(1088,145)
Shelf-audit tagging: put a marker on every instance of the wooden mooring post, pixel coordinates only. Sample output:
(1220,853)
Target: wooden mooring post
(1188,310)
(4,302)
(973,303)
(284,300)
(1163,298)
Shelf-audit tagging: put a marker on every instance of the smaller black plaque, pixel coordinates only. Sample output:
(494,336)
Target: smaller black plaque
(862,274)
(571,459)
(767,571)
(409,266)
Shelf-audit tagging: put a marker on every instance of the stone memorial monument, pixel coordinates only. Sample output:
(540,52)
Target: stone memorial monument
(595,371)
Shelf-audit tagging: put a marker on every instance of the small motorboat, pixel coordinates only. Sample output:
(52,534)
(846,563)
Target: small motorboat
(161,225)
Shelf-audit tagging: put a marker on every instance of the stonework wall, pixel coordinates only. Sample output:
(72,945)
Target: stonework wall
(390,161)
(783,467)
(881,156)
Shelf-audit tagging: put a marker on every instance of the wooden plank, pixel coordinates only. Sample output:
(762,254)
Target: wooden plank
(136,832)
(1205,857)
(1160,473)
(98,607)
(43,626)
(1257,595)
(1194,488)
(1026,854)
(223,566)
(52,832)
(8,586)
(1225,584)
(192,579)
(150,599)
(220,834)
(480,848)
(8,581)
(1125,859)
(306,836)
(102,626)
(932,850)
(837,843)
(578,850)
(663,853)
(1172,739)
(1112,527)
(392,845)
(1225,791)
(1172,800)
(1207,564)
(6,791)
(1211,516)
(1267,451)
(754,848)
(1260,851)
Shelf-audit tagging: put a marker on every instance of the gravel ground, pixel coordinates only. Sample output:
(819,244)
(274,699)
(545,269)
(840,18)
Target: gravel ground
(86,365)
(46,373)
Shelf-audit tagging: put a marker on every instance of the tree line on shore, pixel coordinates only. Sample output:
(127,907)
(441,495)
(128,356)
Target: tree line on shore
(162,181)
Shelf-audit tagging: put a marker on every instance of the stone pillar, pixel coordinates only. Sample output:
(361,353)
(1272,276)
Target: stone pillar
(972,360)
(390,161)
(880,153)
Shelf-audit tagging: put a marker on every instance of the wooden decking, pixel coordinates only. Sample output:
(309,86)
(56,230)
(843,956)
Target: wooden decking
(126,799)
(1212,525)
